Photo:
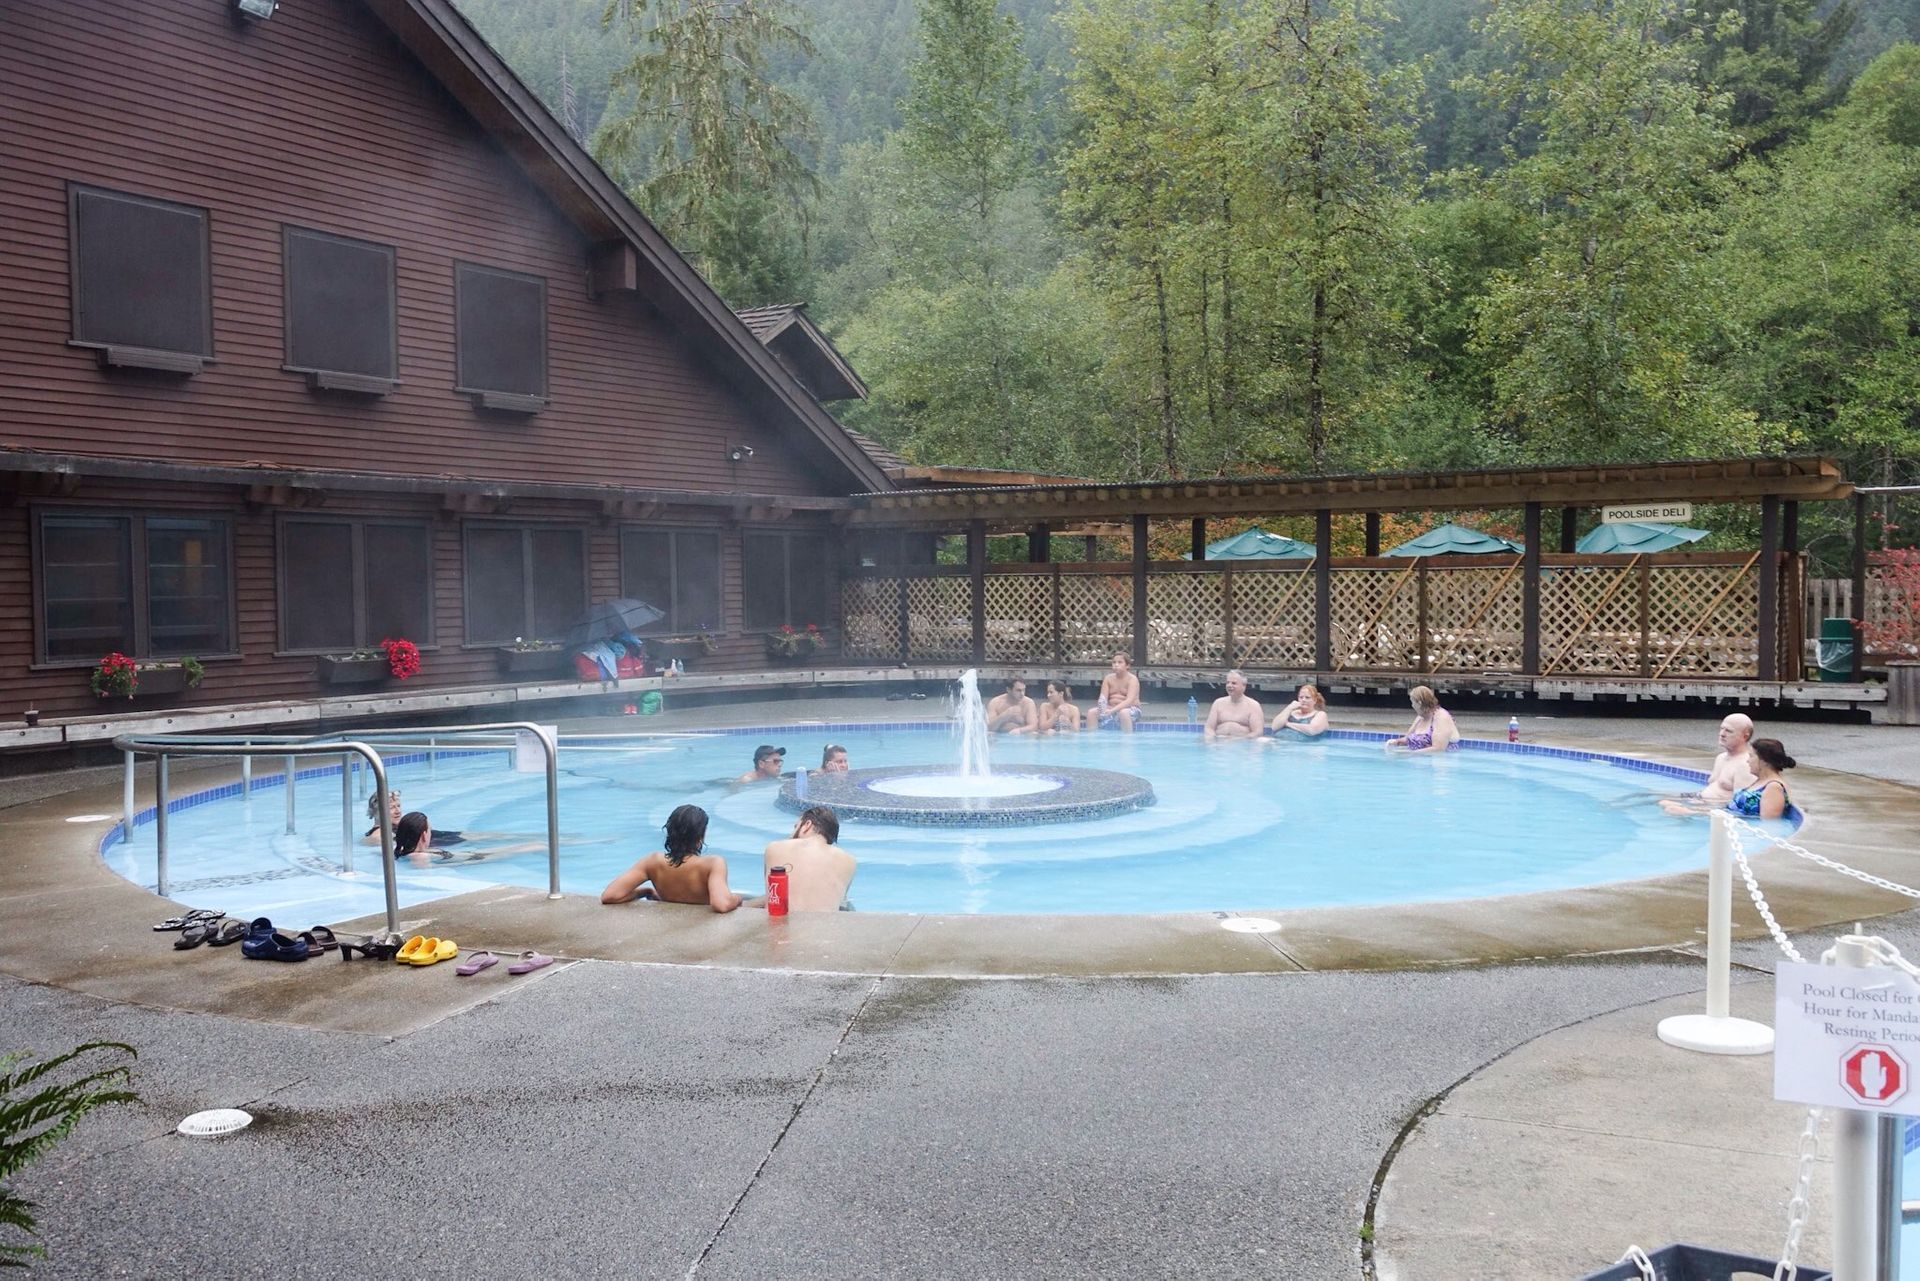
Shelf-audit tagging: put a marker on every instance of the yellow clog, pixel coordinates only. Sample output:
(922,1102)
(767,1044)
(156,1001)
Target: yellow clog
(412,948)
(436,951)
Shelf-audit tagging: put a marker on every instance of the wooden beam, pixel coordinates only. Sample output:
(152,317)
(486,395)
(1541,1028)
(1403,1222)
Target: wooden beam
(1139,590)
(1769,649)
(1199,536)
(1373,533)
(1530,594)
(1569,529)
(1039,543)
(1859,606)
(977,572)
(1323,590)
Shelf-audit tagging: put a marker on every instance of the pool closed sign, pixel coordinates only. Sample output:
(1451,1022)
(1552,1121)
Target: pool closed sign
(1846,1037)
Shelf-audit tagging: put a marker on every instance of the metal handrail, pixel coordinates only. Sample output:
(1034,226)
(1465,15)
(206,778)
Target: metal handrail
(164,747)
(246,746)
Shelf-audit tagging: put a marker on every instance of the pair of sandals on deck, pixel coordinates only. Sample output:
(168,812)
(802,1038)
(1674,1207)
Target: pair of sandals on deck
(259,941)
(421,950)
(202,925)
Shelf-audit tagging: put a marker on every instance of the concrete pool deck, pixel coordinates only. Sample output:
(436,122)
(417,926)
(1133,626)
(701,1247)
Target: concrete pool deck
(720,1117)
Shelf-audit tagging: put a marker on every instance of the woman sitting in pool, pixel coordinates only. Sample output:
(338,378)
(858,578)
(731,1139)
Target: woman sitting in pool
(1432,730)
(1058,713)
(1767,798)
(1305,716)
(394,815)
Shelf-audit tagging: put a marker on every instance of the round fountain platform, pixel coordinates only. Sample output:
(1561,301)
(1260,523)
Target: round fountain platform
(1028,794)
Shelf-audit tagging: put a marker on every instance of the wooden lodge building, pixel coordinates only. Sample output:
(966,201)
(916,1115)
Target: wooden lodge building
(318,330)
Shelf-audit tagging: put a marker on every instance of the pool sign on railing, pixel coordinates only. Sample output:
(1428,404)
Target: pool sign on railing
(1647,513)
(1845,1037)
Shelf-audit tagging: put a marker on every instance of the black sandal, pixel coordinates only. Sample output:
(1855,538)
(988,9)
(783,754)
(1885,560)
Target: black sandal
(320,939)
(375,947)
(194,935)
(227,934)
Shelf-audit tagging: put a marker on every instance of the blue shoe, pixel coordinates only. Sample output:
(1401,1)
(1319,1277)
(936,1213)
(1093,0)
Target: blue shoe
(272,946)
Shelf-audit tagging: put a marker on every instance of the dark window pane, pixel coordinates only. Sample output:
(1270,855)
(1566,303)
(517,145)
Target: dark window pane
(399,578)
(646,573)
(763,580)
(339,304)
(86,585)
(496,585)
(187,611)
(559,581)
(502,338)
(810,576)
(140,273)
(316,575)
(696,596)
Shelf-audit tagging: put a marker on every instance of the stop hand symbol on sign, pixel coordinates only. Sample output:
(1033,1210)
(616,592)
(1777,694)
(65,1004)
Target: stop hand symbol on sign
(1873,1074)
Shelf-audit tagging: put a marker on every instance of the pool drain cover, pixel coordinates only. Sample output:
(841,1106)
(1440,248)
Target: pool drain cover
(215,1122)
(1249,925)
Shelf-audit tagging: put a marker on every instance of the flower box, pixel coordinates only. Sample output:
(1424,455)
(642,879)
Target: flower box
(160,682)
(532,662)
(352,671)
(685,648)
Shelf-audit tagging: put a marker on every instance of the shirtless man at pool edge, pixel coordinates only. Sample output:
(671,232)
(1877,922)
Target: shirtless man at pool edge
(1729,773)
(818,871)
(1236,715)
(1013,712)
(680,874)
(1119,703)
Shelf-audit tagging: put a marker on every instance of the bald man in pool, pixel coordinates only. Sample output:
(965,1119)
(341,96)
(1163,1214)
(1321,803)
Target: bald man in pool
(1236,715)
(1729,773)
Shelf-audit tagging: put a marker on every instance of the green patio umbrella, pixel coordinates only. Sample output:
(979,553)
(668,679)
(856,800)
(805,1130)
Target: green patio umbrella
(1455,540)
(1633,536)
(1256,544)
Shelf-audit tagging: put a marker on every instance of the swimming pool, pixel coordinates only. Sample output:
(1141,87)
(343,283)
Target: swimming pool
(1236,825)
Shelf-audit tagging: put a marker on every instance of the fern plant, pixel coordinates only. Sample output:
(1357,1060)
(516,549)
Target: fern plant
(31,1123)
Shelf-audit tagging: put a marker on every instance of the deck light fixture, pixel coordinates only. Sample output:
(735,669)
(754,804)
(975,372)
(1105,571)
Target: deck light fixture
(258,10)
(738,453)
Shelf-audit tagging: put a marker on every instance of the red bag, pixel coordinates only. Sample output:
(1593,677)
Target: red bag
(630,665)
(585,668)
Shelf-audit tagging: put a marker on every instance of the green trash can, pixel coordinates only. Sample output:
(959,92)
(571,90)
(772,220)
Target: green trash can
(1834,652)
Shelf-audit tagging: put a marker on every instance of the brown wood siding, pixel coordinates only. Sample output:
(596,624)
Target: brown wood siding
(318,118)
(259,674)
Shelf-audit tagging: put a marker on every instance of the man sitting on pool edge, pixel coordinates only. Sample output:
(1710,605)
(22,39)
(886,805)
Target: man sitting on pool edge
(680,874)
(818,871)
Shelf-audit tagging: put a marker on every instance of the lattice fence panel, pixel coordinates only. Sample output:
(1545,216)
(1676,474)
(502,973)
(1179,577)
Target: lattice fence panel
(1891,621)
(1590,620)
(1703,620)
(939,618)
(1019,618)
(1474,619)
(1375,620)
(1186,619)
(870,617)
(1273,620)
(1096,617)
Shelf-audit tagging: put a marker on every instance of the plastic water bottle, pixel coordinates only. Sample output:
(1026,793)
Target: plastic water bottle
(777,892)
(800,783)
(1193,709)
(1513,729)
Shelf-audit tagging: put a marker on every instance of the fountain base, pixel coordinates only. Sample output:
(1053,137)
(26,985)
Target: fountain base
(926,796)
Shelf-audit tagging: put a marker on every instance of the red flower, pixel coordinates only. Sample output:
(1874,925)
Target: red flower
(403,657)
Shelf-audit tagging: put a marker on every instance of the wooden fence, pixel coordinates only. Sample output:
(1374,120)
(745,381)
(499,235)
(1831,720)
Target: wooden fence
(1675,614)
(1891,618)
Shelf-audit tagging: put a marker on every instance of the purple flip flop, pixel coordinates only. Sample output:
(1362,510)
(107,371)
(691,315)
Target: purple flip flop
(475,962)
(529,962)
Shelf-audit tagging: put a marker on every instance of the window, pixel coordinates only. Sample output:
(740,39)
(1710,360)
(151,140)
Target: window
(347,585)
(149,586)
(787,579)
(139,279)
(677,570)
(340,311)
(525,581)
(501,337)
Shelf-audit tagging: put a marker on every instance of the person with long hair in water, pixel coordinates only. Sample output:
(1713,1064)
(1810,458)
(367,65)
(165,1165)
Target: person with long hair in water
(681,873)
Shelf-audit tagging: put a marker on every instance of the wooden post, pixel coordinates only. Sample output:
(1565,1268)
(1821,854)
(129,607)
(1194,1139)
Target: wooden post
(1420,623)
(1199,538)
(1644,616)
(1059,645)
(1323,590)
(1226,613)
(1530,595)
(977,570)
(1793,596)
(906,629)
(1373,533)
(1859,607)
(1092,542)
(1039,544)
(1769,638)
(1139,590)
(1569,528)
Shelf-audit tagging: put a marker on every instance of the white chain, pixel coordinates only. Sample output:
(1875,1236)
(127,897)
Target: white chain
(1736,826)
(1787,1269)
(1759,899)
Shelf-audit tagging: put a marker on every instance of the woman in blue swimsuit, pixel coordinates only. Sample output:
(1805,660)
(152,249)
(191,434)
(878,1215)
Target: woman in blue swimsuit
(1767,798)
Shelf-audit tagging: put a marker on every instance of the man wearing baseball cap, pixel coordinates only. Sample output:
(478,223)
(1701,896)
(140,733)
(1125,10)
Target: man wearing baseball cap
(768,761)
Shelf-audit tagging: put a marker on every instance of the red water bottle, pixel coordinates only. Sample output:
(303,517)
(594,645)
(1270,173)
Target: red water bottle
(777,892)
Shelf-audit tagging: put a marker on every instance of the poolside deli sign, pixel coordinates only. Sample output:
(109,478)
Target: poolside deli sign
(1846,1037)
(1647,514)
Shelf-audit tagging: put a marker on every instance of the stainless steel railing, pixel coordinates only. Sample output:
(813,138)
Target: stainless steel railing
(349,749)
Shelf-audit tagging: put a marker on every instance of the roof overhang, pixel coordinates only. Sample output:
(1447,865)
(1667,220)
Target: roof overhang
(482,83)
(1705,480)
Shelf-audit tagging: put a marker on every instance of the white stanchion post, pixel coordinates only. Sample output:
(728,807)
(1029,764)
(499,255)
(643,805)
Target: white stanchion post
(346,813)
(246,778)
(1856,1169)
(126,799)
(1717,1031)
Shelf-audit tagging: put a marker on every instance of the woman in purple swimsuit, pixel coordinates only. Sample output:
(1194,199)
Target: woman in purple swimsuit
(1432,730)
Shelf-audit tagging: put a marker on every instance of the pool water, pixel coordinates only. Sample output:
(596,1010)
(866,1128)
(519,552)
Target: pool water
(1237,825)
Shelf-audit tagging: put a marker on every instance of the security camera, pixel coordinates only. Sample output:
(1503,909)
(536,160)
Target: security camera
(739,452)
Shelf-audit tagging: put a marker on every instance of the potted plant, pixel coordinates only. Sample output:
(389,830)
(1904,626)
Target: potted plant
(709,643)
(789,643)
(525,657)
(117,676)
(394,659)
